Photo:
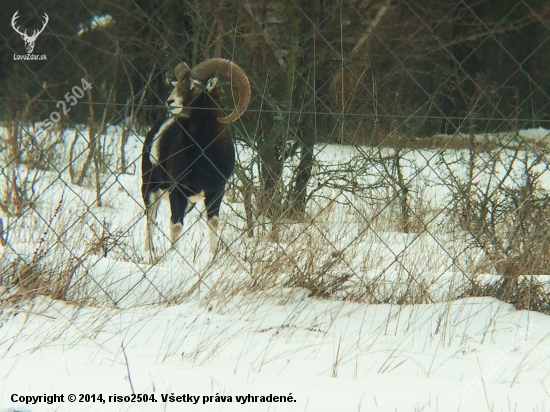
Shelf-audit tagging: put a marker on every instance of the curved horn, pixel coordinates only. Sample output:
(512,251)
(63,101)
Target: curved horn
(180,71)
(235,74)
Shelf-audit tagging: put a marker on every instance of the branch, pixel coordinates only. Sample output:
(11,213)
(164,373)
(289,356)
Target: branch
(371,27)
(127,367)
(279,54)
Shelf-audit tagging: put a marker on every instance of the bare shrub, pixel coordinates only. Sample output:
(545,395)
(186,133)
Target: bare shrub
(528,293)
(507,215)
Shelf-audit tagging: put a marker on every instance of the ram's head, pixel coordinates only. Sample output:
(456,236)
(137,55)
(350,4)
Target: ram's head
(192,83)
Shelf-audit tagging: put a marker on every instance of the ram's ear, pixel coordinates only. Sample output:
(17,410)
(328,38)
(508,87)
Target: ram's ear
(211,84)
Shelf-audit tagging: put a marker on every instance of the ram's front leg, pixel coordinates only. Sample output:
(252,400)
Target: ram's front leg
(178,206)
(213,203)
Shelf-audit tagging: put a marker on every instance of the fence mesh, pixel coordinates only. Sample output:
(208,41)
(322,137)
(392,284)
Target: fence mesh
(393,151)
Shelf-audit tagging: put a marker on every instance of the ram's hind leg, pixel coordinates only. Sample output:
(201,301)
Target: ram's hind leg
(152,201)
(213,203)
(179,206)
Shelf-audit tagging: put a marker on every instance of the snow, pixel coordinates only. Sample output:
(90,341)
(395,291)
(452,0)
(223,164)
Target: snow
(188,326)
(95,22)
(474,354)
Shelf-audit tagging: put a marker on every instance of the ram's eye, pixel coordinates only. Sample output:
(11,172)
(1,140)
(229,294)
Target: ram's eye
(211,84)
(195,85)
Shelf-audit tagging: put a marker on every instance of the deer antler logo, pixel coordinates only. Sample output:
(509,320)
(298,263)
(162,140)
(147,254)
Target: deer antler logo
(29,40)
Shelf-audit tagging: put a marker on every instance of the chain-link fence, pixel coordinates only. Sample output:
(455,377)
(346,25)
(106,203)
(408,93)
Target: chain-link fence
(392,151)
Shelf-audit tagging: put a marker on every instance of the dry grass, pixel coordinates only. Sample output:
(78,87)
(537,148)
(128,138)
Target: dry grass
(528,294)
(353,243)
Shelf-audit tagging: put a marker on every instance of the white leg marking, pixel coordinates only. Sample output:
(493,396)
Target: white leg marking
(154,156)
(151,213)
(175,233)
(213,235)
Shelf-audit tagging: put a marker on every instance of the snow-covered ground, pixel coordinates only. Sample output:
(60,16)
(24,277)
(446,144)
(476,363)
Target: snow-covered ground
(221,330)
(539,136)
(476,354)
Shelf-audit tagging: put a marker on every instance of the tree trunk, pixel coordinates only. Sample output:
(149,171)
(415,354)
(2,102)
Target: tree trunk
(272,153)
(298,195)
